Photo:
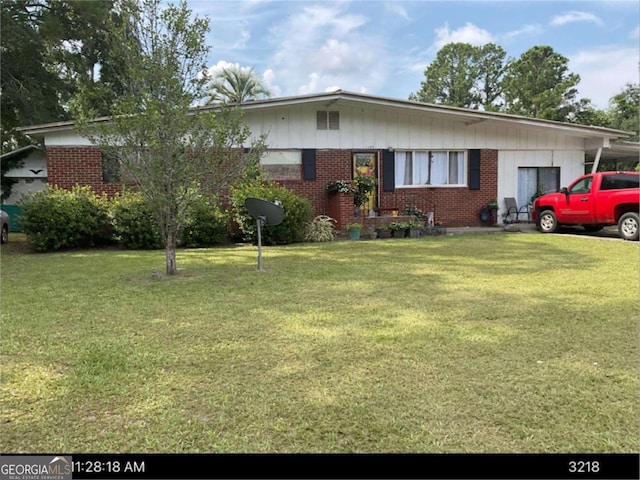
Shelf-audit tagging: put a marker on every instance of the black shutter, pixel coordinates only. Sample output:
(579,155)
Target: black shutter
(388,171)
(474,169)
(309,164)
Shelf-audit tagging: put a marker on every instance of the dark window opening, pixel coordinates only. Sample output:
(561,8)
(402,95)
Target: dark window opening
(328,120)
(110,167)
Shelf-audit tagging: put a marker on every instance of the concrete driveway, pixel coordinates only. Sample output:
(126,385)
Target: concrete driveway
(607,233)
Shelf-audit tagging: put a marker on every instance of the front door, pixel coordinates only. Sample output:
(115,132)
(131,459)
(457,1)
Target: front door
(364,165)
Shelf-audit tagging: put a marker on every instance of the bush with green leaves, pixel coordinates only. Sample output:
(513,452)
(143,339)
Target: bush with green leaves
(321,229)
(297,211)
(134,226)
(56,218)
(205,224)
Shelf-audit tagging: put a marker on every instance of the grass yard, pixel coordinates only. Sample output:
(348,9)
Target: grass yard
(472,343)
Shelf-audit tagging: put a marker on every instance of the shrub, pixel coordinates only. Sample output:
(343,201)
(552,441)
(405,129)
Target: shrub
(205,224)
(133,224)
(56,218)
(297,211)
(320,229)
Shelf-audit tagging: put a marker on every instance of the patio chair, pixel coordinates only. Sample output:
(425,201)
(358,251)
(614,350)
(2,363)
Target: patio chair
(512,213)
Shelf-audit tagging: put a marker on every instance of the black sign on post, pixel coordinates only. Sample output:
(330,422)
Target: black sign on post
(265,213)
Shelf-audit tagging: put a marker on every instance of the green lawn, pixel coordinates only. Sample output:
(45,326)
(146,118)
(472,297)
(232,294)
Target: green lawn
(472,343)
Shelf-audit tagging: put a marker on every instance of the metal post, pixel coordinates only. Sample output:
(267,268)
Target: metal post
(259,222)
(596,162)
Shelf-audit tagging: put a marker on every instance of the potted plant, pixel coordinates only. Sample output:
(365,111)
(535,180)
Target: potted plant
(373,233)
(340,186)
(354,230)
(398,229)
(493,211)
(414,229)
(384,231)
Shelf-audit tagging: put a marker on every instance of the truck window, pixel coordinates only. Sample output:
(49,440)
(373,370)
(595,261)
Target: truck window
(583,186)
(619,181)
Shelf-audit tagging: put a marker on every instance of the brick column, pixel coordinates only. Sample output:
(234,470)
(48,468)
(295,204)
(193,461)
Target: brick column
(341,208)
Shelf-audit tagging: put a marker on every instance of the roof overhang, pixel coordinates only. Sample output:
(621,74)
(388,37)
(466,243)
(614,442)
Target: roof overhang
(620,150)
(19,152)
(600,135)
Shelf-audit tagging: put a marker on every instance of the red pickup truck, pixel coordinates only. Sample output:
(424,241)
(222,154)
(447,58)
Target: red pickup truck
(593,201)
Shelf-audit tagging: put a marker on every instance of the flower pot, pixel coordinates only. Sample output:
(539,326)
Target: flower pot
(414,232)
(384,233)
(354,234)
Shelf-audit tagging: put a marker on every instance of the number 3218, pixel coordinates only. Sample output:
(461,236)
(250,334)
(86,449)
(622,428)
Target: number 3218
(584,467)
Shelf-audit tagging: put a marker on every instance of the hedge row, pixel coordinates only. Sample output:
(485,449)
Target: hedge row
(55,219)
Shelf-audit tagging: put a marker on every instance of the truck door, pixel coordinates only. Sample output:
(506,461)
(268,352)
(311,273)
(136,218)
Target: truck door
(577,206)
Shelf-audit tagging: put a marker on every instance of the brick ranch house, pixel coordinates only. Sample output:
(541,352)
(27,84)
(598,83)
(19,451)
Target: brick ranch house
(446,160)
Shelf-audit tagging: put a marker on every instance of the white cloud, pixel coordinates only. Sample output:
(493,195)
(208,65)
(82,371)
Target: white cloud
(318,47)
(222,65)
(417,66)
(268,79)
(533,29)
(245,36)
(470,34)
(396,8)
(604,72)
(635,34)
(575,16)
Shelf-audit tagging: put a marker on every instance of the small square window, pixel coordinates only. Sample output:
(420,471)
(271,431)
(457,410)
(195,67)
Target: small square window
(328,120)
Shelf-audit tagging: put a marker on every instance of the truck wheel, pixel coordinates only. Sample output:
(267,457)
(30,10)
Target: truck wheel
(628,226)
(548,222)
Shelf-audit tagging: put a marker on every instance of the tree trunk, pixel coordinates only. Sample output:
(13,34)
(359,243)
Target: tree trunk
(170,255)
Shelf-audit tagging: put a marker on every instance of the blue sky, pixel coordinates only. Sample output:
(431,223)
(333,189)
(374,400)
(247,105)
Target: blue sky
(382,47)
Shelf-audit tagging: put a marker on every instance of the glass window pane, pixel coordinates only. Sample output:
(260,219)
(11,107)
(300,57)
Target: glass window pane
(439,170)
(456,168)
(420,168)
(527,184)
(548,179)
(400,158)
(404,168)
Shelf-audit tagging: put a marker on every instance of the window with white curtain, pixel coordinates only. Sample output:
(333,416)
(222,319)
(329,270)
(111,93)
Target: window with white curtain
(420,167)
(536,180)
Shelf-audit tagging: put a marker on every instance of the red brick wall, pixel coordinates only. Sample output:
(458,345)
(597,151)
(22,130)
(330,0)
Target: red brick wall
(68,166)
(460,206)
(454,207)
(330,165)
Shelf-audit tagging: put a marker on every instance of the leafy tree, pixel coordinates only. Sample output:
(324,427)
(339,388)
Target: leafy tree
(492,65)
(539,85)
(171,150)
(82,48)
(51,49)
(450,78)
(624,110)
(585,113)
(464,76)
(31,92)
(234,84)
